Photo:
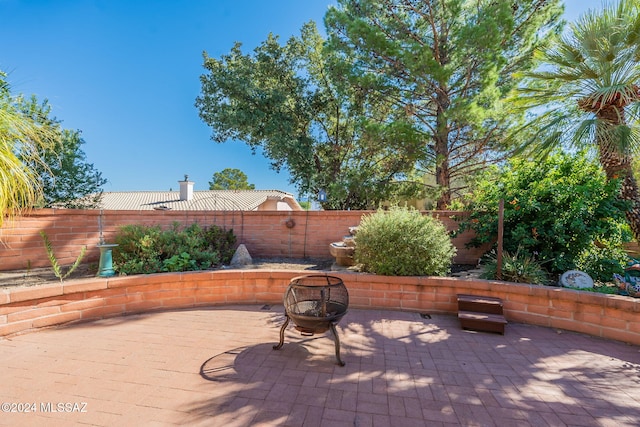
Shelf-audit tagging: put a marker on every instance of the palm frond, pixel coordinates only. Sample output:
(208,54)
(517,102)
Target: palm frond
(587,84)
(21,142)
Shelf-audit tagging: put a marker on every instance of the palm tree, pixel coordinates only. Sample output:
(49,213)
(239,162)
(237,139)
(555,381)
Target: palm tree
(586,93)
(20,138)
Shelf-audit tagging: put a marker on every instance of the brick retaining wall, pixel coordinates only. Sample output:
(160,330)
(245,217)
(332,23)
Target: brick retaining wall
(265,233)
(26,309)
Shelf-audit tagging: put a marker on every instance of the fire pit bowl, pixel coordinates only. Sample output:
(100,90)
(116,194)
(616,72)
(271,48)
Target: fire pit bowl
(315,303)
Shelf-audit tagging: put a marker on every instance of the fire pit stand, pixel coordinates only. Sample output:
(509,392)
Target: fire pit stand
(315,303)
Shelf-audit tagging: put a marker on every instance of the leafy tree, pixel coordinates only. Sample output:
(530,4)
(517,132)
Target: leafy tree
(305,204)
(292,101)
(230,179)
(444,69)
(586,94)
(554,210)
(68,180)
(21,140)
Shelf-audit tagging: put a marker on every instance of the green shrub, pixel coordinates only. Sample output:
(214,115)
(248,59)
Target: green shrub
(192,241)
(149,249)
(517,267)
(138,249)
(224,241)
(182,262)
(601,263)
(554,209)
(403,242)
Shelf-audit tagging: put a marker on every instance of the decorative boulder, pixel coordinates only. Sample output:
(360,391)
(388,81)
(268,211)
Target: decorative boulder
(241,257)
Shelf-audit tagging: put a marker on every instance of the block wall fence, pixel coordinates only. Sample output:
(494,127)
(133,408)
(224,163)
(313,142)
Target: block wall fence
(30,308)
(265,233)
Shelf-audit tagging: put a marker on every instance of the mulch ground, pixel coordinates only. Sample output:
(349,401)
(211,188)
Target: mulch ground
(39,276)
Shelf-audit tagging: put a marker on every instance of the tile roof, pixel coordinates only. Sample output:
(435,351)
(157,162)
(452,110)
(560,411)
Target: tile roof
(246,200)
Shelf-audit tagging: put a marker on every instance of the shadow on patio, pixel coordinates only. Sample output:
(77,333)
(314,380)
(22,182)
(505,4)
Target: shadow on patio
(216,366)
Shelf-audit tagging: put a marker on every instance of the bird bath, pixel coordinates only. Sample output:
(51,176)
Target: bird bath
(105,268)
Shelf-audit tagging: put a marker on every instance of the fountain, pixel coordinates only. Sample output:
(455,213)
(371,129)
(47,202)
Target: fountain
(343,251)
(105,268)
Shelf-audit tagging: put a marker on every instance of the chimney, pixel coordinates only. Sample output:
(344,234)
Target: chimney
(186,189)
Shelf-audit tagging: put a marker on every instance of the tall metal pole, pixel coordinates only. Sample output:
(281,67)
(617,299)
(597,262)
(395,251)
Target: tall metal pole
(500,238)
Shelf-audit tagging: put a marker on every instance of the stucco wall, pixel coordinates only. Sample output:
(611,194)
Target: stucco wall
(264,233)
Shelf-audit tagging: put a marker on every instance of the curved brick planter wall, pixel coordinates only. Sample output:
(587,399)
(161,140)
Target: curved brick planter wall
(25,309)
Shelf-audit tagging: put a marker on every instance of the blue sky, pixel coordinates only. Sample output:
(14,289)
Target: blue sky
(126,73)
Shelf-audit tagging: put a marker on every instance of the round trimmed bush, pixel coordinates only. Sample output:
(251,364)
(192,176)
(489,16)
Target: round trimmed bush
(403,242)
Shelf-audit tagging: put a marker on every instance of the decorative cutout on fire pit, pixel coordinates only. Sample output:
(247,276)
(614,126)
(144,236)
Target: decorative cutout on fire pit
(315,303)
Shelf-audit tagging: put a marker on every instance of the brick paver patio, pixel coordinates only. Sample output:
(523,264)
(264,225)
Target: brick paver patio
(216,367)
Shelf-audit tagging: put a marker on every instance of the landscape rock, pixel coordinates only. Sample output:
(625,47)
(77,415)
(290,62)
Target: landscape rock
(241,257)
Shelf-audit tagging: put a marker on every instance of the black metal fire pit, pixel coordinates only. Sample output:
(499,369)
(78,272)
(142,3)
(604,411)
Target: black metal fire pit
(315,303)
